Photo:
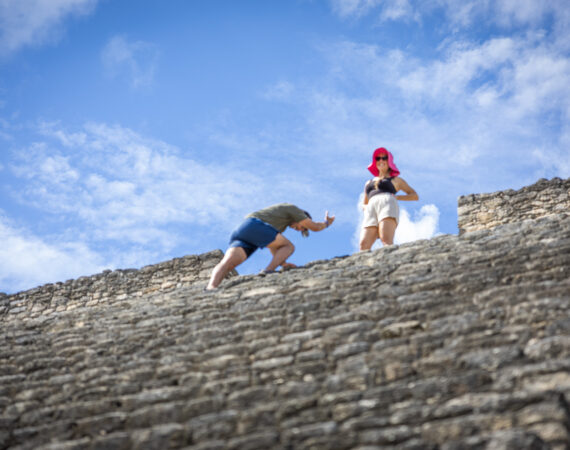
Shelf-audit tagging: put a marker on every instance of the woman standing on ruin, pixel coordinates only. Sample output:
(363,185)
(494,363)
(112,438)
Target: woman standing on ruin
(381,210)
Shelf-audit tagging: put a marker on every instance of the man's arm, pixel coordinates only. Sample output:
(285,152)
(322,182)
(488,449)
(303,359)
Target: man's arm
(317,226)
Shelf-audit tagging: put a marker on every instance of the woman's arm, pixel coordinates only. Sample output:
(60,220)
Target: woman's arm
(365,200)
(401,185)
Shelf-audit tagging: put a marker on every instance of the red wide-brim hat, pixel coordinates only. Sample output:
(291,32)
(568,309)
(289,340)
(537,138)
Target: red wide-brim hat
(394,172)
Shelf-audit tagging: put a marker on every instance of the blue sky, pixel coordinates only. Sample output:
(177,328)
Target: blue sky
(136,131)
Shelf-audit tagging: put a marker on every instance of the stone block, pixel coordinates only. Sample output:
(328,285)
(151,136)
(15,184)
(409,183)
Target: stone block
(387,436)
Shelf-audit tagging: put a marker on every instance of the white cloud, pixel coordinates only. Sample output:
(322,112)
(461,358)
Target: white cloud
(551,162)
(462,14)
(423,226)
(69,140)
(464,65)
(522,11)
(134,60)
(397,9)
(506,13)
(27,260)
(122,186)
(35,22)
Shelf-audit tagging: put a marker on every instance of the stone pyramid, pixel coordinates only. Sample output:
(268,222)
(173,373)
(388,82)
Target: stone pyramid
(456,342)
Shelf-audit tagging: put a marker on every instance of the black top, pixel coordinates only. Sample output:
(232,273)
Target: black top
(384,185)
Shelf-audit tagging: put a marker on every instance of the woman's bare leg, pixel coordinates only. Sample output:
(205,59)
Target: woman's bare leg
(368,236)
(387,229)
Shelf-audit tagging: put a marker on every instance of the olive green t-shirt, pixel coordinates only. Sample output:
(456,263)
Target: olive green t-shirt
(280,216)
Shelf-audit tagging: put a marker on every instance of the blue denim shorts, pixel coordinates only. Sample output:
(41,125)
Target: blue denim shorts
(253,234)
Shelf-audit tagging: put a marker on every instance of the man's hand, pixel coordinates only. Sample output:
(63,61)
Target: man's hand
(328,220)
(287,265)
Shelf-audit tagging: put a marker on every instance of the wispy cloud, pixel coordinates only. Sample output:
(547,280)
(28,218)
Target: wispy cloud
(36,22)
(134,61)
(506,13)
(27,260)
(121,183)
(466,16)
(353,8)
(553,161)
(397,9)
(460,14)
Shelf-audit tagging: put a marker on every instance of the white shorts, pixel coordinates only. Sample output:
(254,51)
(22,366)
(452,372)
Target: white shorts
(380,207)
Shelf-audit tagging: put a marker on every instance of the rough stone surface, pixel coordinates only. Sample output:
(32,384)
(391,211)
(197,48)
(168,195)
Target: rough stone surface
(483,211)
(452,343)
(110,286)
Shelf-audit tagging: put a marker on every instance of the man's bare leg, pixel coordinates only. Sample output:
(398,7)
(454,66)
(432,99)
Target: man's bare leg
(281,248)
(234,257)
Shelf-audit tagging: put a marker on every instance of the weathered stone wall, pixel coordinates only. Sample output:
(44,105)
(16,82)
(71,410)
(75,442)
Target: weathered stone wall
(482,211)
(110,286)
(453,343)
